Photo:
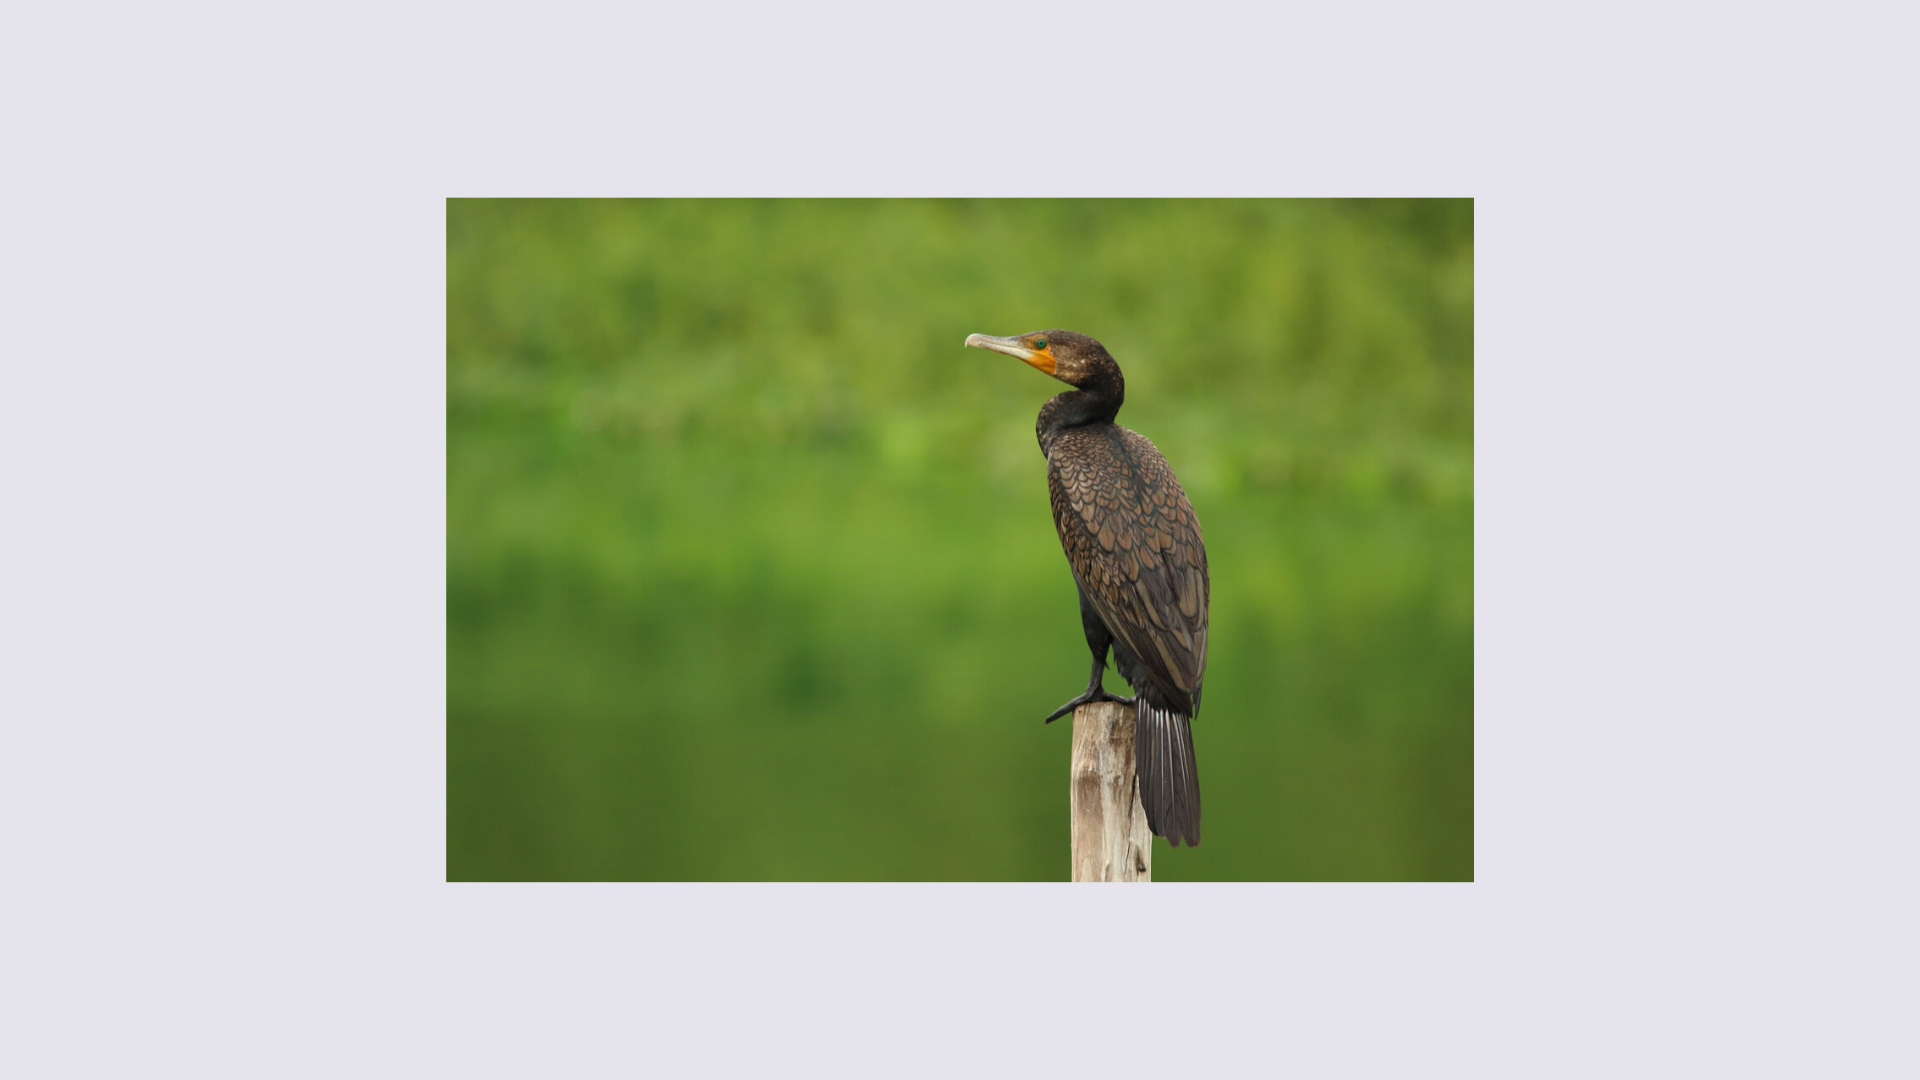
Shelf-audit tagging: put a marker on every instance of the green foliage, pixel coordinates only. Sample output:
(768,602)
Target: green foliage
(750,572)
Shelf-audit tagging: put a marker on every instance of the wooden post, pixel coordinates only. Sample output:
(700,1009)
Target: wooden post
(1110,837)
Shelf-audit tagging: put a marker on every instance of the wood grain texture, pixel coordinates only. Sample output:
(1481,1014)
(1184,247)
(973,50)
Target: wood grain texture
(1111,841)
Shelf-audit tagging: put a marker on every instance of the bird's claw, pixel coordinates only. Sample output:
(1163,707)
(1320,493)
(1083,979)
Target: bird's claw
(1088,698)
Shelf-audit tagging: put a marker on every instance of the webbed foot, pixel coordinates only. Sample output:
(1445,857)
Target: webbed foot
(1092,695)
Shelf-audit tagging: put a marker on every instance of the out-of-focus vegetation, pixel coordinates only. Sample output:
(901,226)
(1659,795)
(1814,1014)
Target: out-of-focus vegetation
(749,567)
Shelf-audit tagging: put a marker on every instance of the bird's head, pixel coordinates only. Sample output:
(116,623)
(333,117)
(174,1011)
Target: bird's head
(1074,359)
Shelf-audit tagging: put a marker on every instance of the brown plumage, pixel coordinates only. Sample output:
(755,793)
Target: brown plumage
(1135,549)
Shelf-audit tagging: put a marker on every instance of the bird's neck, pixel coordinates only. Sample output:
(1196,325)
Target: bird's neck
(1078,408)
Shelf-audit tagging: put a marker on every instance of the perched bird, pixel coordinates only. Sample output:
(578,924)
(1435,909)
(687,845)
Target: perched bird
(1135,549)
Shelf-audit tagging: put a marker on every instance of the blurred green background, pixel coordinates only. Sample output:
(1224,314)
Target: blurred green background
(750,573)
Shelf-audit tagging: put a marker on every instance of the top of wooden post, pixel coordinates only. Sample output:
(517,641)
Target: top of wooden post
(1111,841)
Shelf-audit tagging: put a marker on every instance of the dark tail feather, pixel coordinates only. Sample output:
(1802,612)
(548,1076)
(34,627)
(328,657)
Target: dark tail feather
(1169,783)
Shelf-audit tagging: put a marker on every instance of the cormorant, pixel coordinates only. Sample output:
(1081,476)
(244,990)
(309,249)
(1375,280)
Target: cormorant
(1137,558)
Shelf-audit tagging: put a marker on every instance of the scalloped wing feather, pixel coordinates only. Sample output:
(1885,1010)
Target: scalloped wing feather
(1135,547)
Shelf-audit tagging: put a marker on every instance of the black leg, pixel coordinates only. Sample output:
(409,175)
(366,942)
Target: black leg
(1099,639)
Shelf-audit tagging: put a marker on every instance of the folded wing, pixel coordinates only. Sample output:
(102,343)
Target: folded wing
(1135,547)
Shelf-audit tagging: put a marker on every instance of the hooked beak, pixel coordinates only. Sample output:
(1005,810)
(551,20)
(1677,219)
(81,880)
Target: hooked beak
(1041,360)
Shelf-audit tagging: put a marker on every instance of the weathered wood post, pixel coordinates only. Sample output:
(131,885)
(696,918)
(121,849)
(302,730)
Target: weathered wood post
(1110,837)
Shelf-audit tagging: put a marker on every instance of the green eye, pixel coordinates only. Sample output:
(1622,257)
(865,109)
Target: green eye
(1040,343)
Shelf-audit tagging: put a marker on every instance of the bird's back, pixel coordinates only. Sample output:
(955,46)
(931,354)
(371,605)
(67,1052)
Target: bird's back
(1135,548)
